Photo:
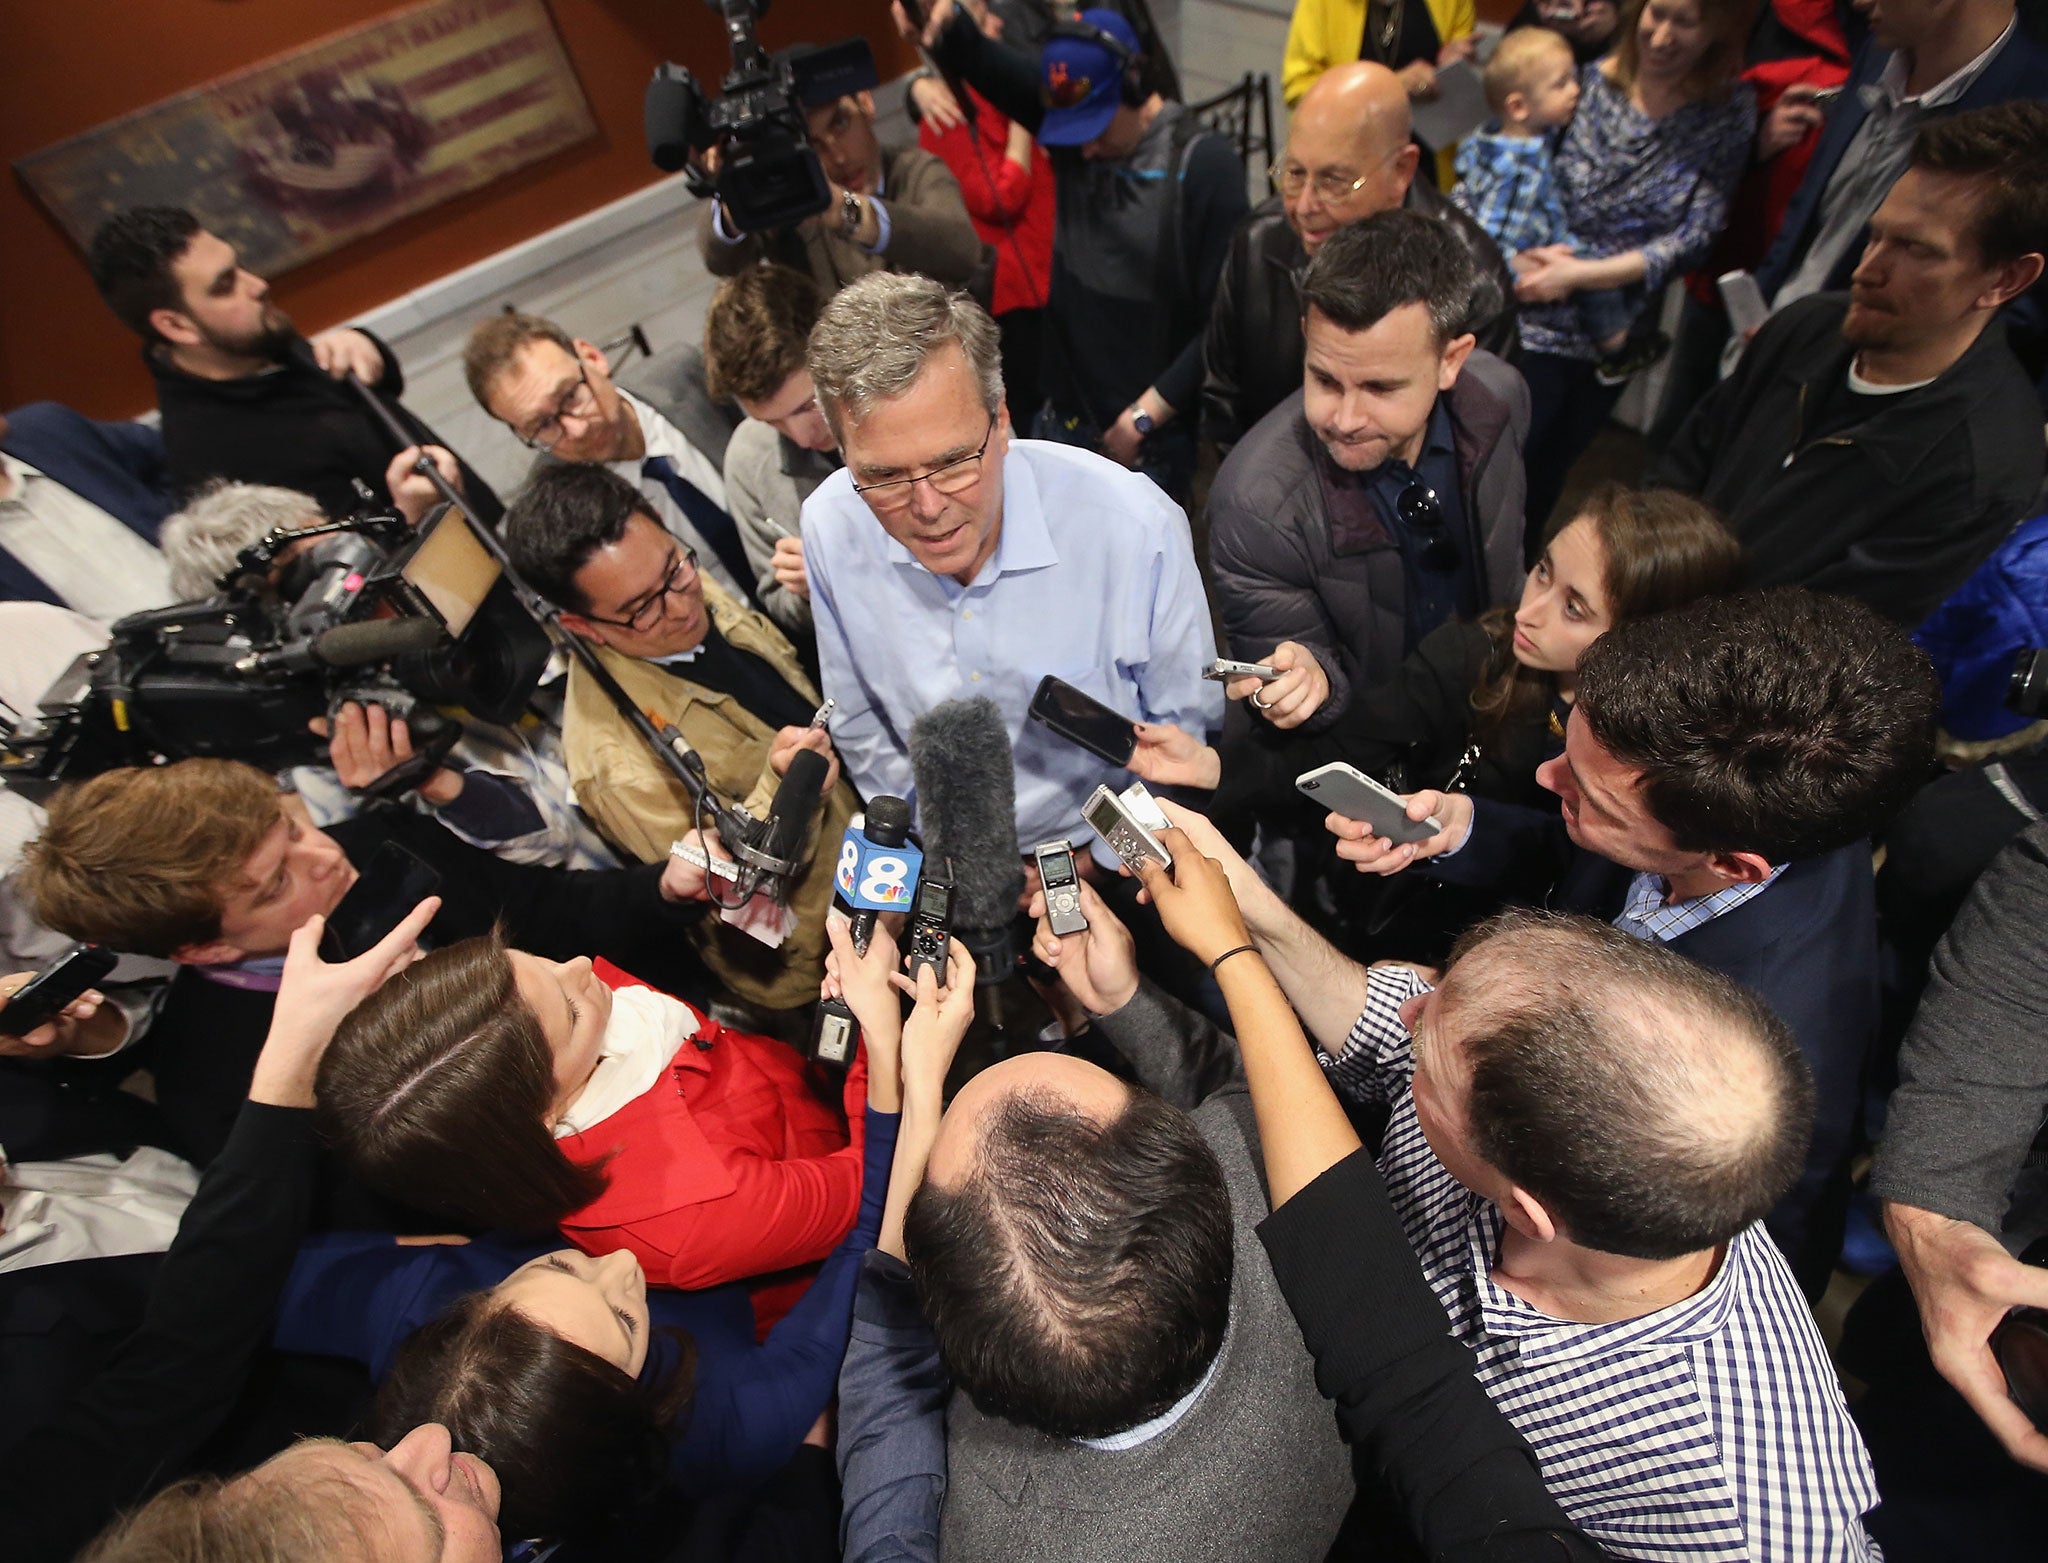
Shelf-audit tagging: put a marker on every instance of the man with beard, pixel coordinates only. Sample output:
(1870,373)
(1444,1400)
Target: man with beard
(1883,442)
(243,395)
(1385,495)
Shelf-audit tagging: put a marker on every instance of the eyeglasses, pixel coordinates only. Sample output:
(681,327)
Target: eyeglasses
(579,402)
(1331,188)
(955,477)
(652,609)
(1419,508)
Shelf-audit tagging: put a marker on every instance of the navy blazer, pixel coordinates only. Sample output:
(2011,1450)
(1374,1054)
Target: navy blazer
(118,466)
(2019,71)
(1807,946)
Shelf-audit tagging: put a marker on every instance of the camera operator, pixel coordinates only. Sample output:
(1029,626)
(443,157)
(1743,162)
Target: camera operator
(206,863)
(505,788)
(894,208)
(242,394)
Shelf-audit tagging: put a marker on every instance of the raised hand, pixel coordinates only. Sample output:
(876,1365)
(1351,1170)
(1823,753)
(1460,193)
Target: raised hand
(1098,965)
(1194,900)
(1373,854)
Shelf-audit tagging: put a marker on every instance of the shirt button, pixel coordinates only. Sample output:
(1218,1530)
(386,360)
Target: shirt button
(966,613)
(974,678)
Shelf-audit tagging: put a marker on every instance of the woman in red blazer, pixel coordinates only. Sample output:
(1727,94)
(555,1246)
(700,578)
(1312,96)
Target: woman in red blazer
(514,1093)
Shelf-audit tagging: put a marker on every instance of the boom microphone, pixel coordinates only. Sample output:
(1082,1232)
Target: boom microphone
(967,803)
(346,646)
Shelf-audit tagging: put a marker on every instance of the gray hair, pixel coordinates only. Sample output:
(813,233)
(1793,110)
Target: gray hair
(200,542)
(876,335)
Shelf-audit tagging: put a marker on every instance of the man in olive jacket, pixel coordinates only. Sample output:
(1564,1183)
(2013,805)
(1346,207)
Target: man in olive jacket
(692,654)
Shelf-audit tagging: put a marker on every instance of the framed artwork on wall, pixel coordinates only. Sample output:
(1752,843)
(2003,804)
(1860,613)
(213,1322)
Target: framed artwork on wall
(302,153)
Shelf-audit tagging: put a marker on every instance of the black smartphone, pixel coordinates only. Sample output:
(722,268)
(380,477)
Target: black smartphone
(395,882)
(1082,719)
(43,997)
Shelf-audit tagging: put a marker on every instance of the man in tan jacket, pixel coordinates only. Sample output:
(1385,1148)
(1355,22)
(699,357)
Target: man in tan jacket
(689,652)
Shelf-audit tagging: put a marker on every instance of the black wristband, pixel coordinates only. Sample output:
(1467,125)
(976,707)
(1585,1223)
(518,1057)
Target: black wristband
(1227,954)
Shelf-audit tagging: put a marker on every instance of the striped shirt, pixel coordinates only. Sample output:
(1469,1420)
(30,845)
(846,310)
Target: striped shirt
(1712,1429)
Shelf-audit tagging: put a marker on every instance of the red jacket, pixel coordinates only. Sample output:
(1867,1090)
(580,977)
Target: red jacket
(729,1167)
(1012,210)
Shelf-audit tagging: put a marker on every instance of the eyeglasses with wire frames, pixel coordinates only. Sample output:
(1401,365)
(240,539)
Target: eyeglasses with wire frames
(653,608)
(579,401)
(1331,189)
(1419,508)
(953,477)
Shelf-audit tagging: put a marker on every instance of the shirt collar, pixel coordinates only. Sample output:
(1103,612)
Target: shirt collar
(1891,80)
(1540,1338)
(1145,1432)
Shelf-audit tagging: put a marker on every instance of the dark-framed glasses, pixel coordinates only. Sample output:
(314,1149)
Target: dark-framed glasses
(650,610)
(579,402)
(1421,511)
(955,477)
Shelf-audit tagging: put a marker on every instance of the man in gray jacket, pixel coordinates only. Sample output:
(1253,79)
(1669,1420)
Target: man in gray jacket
(1126,1381)
(754,338)
(1387,495)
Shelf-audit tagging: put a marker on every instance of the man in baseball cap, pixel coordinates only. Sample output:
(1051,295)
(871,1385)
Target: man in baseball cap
(1148,199)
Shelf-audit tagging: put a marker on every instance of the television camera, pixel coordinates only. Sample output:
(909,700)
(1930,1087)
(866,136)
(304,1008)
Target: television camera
(767,174)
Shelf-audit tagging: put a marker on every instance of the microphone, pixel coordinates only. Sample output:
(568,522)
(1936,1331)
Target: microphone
(345,646)
(772,852)
(967,803)
(878,867)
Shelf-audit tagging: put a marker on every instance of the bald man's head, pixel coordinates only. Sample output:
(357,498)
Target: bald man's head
(1653,1107)
(1072,1246)
(1350,130)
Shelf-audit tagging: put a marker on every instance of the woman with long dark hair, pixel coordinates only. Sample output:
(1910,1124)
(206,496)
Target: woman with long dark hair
(1481,703)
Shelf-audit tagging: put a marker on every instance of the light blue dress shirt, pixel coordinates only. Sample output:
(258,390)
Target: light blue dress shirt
(1093,578)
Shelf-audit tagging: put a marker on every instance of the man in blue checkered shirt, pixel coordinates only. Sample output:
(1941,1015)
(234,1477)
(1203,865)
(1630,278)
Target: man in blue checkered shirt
(1586,1128)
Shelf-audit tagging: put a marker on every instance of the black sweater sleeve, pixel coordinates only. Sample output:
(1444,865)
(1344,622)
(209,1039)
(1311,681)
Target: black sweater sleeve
(167,1389)
(1212,205)
(1007,77)
(1406,1397)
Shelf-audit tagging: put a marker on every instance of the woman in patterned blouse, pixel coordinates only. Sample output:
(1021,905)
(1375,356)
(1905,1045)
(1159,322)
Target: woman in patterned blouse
(1646,169)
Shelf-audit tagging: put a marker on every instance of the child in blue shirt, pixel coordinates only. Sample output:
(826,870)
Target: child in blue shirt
(1505,180)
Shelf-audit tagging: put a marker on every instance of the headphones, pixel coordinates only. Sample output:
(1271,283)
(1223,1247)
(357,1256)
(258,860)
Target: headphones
(1132,90)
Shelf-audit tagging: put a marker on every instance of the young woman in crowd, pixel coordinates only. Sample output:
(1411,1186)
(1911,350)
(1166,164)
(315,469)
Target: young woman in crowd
(1482,703)
(511,1093)
(1647,167)
(586,1391)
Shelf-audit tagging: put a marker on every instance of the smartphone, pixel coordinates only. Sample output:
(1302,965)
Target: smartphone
(1111,819)
(1744,301)
(2020,1343)
(1062,885)
(1223,668)
(395,882)
(1082,719)
(1346,790)
(43,997)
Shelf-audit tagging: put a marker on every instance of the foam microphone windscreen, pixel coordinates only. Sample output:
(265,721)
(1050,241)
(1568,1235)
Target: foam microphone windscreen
(374,640)
(789,815)
(967,806)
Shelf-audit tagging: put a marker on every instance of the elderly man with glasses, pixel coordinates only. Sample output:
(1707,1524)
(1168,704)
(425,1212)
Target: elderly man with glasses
(949,559)
(556,394)
(696,656)
(1348,156)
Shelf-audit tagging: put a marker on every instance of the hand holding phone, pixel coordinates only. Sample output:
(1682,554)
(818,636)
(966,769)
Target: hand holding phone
(52,990)
(1081,719)
(1224,668)
(1110,817)
(396,882)
(1346,790)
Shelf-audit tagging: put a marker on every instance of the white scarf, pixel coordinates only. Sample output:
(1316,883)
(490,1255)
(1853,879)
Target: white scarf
(646,1031)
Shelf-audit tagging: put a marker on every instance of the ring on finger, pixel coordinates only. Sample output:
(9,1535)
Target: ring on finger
(1263,705)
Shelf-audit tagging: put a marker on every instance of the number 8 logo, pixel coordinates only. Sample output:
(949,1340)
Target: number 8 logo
(885,878)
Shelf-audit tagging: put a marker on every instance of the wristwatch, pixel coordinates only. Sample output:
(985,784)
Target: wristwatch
(1141,420)
(851,210)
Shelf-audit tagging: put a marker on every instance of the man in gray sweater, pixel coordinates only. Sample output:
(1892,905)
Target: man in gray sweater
(1115,1371)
